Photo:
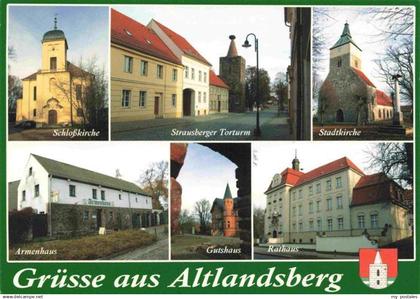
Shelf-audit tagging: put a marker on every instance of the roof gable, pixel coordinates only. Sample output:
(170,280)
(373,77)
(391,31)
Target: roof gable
(216,80)
(182,43)
(129,33)
(66,171)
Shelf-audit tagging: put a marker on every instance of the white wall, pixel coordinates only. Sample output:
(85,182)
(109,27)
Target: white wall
(61,194)
(343,244)
(27,184)
(196,85)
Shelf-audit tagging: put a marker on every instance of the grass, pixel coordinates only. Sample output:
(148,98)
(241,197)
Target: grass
(84,248)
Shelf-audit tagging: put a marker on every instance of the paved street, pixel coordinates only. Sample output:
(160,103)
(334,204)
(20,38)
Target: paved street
(225,126)
(155,251)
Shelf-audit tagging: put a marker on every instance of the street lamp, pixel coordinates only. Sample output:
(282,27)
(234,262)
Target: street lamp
(246,44)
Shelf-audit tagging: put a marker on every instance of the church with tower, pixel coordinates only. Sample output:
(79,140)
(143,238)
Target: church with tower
(54,95)
(347,94)
(224,215)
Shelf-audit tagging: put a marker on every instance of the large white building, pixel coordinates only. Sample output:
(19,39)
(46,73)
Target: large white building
(196,70)
(75,198)
(334,200)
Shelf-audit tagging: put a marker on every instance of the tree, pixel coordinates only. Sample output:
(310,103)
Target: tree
(251,85)
(186,221)
(155,181)
(14,85)
(202,210)
(280,89)
(258,222)
(398,59)
(394,159)
(92,101)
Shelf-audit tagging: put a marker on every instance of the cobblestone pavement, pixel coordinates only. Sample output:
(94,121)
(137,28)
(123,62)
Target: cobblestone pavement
(226,126)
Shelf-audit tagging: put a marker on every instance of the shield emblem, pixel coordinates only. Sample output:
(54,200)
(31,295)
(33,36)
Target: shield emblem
(378,268)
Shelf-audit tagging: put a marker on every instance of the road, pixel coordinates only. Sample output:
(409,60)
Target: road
(226,126)
(156,251)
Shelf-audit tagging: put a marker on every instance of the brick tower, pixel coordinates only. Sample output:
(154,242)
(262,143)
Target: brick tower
(232,71)
(229,215)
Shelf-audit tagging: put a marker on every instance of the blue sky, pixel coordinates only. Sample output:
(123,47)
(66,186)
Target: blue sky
(86,29)
(207,28)
(204,175)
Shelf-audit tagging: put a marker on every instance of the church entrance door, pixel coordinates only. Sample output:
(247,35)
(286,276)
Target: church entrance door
(52,117)
(339,116)
(274,234)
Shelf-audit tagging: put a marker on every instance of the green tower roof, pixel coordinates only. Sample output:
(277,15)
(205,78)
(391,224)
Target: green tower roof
(228,194)
(345,38)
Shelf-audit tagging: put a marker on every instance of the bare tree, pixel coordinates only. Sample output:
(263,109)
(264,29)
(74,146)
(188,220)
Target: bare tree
(14,85)
(186,221)
(155,181)
(258,222)
(392,22)
(91,100)
(394,159)
(398,59)
(202,210)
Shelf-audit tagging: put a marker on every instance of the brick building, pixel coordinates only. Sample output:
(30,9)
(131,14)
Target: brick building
(224,215)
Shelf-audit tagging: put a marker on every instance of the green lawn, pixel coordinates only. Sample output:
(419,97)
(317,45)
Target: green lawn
(84,248)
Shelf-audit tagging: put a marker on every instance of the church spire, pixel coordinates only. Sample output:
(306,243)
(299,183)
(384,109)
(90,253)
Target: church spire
(232,52)
(345,38)
(378,259)
(228,194)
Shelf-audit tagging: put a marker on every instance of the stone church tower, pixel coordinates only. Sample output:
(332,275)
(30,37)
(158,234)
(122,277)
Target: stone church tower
(232,71)
(229,215)
(347,94)
(378,273)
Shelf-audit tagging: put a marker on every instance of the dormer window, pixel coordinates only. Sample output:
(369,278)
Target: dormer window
(128,32)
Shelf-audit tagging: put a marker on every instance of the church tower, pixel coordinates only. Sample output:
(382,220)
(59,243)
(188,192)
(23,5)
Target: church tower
(378,273)
(54,50)
(229,216)
(232,71)
(345,52)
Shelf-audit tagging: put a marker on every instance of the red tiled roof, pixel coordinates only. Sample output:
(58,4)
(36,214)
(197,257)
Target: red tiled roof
(331,167)
(289,176)
(131,34)
(182,43)
(216,80)
(372,189)
(382,98)
(363,77)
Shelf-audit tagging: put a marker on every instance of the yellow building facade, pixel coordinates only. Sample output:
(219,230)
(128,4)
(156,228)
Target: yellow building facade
(53,96)
(146,78)
(140,92)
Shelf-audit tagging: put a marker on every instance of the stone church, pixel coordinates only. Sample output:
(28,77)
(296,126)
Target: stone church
(347,94)
(54,94)
(232,72)
(224,215)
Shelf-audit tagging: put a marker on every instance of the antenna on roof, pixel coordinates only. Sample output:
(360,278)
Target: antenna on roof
(295,153)
(55,21)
